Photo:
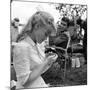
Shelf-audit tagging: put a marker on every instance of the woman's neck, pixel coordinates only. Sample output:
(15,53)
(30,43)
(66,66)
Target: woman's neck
(32,36)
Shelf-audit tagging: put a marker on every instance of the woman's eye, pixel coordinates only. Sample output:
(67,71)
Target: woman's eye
(49,22)
(46,34)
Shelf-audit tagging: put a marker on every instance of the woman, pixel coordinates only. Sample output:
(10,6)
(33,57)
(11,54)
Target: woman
(29,64)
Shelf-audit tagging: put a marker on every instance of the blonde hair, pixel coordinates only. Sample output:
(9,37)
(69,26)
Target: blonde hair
(40,19)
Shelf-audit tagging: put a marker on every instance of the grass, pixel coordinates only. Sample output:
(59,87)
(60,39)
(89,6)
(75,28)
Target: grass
(74,76)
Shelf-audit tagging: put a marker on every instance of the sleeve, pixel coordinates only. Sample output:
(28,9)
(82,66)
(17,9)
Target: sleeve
(35,55)
(21,64)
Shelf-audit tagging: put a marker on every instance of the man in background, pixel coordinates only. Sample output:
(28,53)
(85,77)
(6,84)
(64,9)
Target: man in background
(14,29)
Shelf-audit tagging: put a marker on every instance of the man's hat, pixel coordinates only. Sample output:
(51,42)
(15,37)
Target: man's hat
(16,19)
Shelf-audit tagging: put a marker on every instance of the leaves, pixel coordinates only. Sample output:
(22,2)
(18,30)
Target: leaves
(71,10)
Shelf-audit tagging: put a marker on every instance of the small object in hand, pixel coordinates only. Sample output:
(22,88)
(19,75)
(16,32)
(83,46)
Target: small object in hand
(52,58)
(50,54)
(53,55)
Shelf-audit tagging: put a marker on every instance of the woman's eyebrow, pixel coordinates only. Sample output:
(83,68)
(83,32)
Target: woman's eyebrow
(51,19)
(63,23)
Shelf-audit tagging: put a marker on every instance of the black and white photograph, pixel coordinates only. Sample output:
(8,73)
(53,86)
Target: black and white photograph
(48,44)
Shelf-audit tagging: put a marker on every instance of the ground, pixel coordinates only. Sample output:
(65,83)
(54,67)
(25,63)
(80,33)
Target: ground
(74,76)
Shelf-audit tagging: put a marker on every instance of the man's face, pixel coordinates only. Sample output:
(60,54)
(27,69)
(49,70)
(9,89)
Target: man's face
(63,25)
(16,23)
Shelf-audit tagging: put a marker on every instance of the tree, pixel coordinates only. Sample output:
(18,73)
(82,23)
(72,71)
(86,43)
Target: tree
(71,11)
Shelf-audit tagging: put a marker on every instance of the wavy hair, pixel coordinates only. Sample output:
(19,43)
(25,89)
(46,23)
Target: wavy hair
(39,19)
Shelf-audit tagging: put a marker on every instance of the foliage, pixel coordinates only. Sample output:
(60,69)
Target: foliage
(72,10)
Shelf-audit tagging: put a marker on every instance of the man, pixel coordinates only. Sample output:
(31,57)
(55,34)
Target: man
(14,29)
(61,37)
(14,34)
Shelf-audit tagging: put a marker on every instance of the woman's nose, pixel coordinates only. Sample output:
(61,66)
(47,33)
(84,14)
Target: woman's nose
(53,34)
(54,30)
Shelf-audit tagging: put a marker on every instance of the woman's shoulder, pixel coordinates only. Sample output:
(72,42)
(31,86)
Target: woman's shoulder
(21,46)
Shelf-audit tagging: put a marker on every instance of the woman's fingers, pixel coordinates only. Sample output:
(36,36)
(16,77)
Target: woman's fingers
(52,58)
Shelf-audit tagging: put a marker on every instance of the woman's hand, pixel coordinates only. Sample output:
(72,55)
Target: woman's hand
(51,58)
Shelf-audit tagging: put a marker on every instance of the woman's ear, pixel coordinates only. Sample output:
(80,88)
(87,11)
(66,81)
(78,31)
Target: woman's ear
(37,26)
(29,25)
(34,23)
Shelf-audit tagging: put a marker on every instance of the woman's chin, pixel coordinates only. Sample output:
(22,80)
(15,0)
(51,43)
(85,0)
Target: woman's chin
(40,41)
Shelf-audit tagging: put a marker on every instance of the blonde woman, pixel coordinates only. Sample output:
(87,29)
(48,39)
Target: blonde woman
(29,64)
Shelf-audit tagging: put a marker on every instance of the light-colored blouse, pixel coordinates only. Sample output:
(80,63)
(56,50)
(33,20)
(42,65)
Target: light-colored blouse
(26,58)
(14,33)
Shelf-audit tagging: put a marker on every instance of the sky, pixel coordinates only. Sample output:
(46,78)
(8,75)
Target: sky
(24,10)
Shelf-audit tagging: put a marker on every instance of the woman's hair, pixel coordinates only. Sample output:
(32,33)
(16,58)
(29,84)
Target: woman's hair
(39,19)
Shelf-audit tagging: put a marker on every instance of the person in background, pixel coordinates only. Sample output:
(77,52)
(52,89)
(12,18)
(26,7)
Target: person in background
(14,29)
(29,64)
(60,40)
(61,37)
(14,32)
(83,25)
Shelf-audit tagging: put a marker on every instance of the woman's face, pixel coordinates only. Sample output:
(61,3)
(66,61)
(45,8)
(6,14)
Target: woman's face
(16,24)
(44,26)
(41,35)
